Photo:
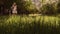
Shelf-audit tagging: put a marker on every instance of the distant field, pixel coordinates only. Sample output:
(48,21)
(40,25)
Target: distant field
(29,24)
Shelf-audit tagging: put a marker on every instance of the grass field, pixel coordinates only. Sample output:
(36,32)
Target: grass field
(17,24)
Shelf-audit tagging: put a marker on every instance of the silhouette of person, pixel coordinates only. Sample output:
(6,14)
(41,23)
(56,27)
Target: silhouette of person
(14,8)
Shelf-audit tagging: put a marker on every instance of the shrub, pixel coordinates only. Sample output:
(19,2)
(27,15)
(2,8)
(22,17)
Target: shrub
(48,9)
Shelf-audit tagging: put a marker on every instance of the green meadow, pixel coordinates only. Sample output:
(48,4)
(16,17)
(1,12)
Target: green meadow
(24,24)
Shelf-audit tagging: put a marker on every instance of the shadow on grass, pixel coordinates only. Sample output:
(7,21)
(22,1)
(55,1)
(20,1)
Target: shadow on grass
(22,25)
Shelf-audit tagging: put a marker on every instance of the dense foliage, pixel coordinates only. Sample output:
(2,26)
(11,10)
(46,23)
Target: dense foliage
(27,6)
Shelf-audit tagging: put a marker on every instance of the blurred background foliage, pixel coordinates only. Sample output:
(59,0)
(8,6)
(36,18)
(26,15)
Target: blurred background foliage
(27,6)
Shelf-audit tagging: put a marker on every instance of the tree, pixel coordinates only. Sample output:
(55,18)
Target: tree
(58,7)
(48,9)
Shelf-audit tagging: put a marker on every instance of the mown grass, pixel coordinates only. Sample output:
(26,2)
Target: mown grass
(16,24)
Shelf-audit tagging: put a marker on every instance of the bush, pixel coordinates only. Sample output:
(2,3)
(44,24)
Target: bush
(48,9)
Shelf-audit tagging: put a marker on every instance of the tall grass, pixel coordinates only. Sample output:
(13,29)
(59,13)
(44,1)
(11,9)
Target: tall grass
(16,24)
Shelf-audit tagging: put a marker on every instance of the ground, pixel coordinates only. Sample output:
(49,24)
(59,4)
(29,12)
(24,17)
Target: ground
(17,24)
